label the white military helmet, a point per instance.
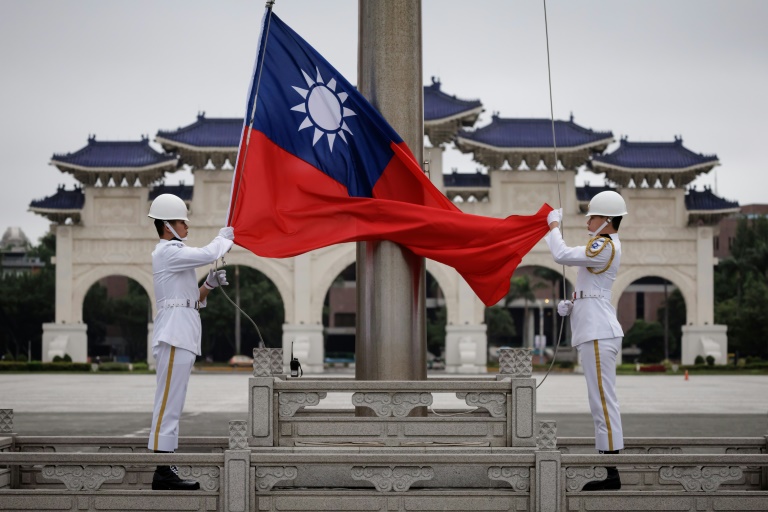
(607, 204)
(168, 207)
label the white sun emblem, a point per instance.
(324, 108)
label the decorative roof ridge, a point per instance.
(92, 142)
(435, 87)
(624, 142)
(201, 120)
(496, 118)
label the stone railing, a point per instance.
(392, 413)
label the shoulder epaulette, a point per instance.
(595, 247)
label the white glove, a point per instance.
(216, 278)
(564, 307)
(555, 215)
(228, 233)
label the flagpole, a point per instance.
(390, 339)
(253, 91)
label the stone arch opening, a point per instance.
(117, 309)
(527, 317)
(340, 318)
(224, 335)
(652, 310)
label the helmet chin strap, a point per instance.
(168, 225)
(598, 230)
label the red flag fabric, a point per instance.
(318, 165)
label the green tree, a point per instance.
(676, 320)
(259, 298)
(522, 287)
(649, 337)
(741, 289)
(27, 301)
(436, 330)
(500, 325)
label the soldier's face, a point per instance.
(181, 227)
(594, 222)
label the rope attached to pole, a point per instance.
(559, 198)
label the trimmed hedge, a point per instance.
(37, 366)
(113, 367)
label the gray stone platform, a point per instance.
(474, 443)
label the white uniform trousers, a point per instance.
(598, 359)
(174, 366)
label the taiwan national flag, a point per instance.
(318, 165)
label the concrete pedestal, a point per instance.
(307, 346)
(459, 339)
(60, 339)
(704, 340)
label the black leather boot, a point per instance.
(611, 483)
(166, 478)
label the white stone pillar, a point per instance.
(308, 346)
(704, 340)
(705, 278)
(64, 277)
(469, 328)
(61, 338)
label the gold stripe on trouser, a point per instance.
(602, 396)
(168, 387)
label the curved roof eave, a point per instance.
(460, 115)
(181, 145)
(670, 170)
(63, 166)
(482, 145)
(715, 211)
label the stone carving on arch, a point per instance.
(684, 283)
(276, 270)
(142, 274)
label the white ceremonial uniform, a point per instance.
(596, 332)
(177, 335)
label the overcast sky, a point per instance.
(647, 69)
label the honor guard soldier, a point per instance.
(177, 332)
(596, 332)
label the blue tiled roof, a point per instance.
(587, 192)
(63, 199)
(533, 133)
(698, 200)
(205, 132)
(181, 190)
(114, 154)
(439, 105)
(457, 179)
(654, 155)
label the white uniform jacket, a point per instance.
(593, 316)
(173, 268)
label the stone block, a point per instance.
(261, 411)
(515, 362)
(236, 496)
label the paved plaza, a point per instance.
(115, 404)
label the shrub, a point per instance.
(37, 366)
(140, 367)
(113, 367)
(653, 368)
(698, 360)
(9, 357)
(565, 364)
(710, 360)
